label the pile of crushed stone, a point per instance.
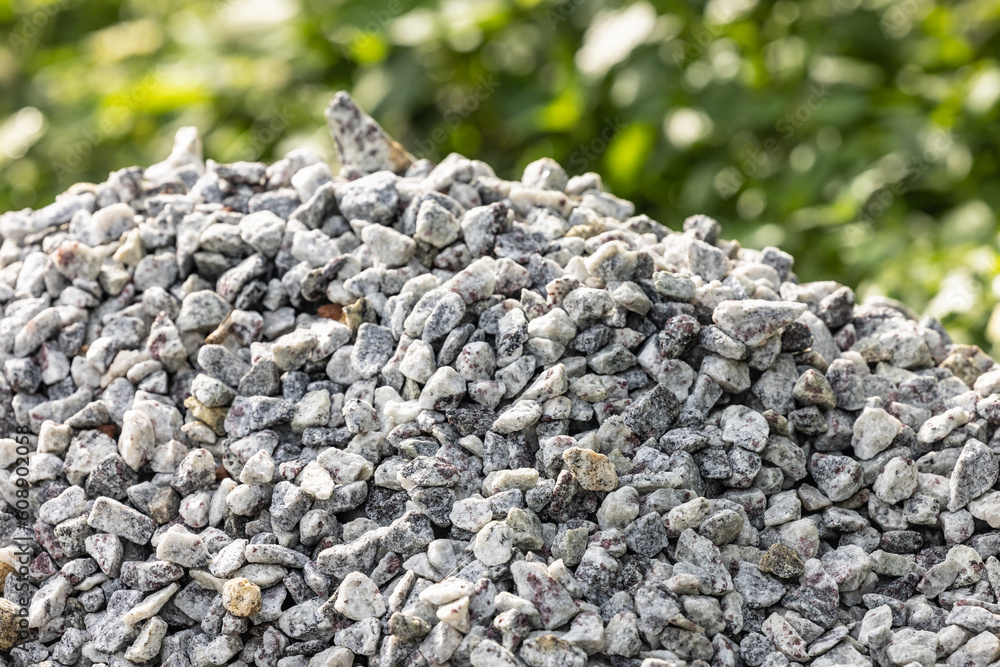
(416, 414)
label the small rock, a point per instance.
(241, 597)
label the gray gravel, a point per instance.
(417, 414)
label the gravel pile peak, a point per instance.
(417, 414)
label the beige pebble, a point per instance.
(241, 597)
(594, 471)
(9, 623)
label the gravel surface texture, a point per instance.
(415, 414)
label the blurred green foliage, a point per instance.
(858, 134)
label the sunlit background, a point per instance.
(861, 135)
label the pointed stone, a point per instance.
(361, 142)
(753, 321)
(975, 473)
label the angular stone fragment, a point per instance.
(593, 471)
(745, 428)
(975, 473)
(389, 246)
(733, 376)
(838, 477)
(137, 440)
(874, 623)
(182, 548)
(784, 637)
(551, 650)
(874, 430)
(147, 645)
(987, 508)
(979, 651)
(781, 561)
(358, 598)
(488, 653)
(897, 481)
(493, 543)
(360, 141)
(111, 516)
(813, 389)
(652, 413)
(10, 616)
(757, 590)
(241, 597)
(753, 321)
(202, 311)
(555, 606)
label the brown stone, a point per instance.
(9, 624)
(218, 337)
(781, 561)
(331, 311)
(962, 367)
(594, 472)
(241, 598)
(358, 313)
(586, 231)
(164, 505)
(5, 569)
(214, 417)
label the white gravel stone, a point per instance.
(874, 431)
(359, 598)
(493, 543)
(897, 481)
(939, 426)
(389, 246)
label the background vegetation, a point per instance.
(858, 134)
